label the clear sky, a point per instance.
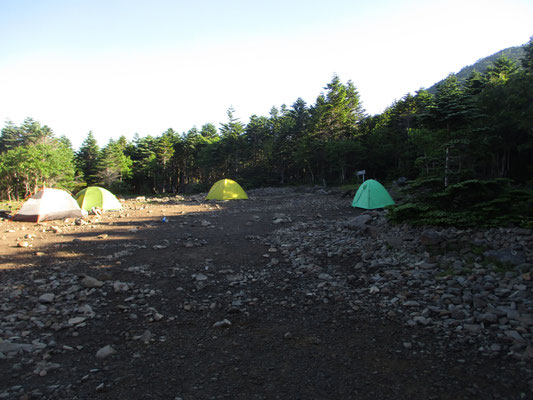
(120, 67)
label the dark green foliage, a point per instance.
(87, 159)
(465, 204)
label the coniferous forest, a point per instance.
(470, 139)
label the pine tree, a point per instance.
(87, 159)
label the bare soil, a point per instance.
(210, 262)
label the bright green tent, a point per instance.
(94, 196)
(226, 189)
(371, 194)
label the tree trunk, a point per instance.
(505, 162)
(446, 165)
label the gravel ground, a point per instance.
(292, 294)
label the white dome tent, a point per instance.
(48, 204)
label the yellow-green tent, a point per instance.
(94, 196)
(226, 189)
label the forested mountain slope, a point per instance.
(515, 53)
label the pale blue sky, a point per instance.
(126, 67)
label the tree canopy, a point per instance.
(478, 128)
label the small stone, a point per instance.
(146, 336)
(199, 277)
(9, 347)
(457, 314)
(419, 319)
(495, 347)
(472, 328)
(86, 310)
(119, 287)
(374, 289)
(76, 320)
(514, 335)
(90, 282)
(513, 314)
(478, 301)
(394, 241)
(47, 298)
(529, 352)
(105, 352)
(488, 318)
(222, 324)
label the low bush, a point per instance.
(465, 204)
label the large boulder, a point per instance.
(358, 222)
(430, 237)
(505, 256)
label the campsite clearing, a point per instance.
(291, 294)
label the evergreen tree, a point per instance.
(87, 159)
(114, 165)
(527, 61)
(506, 104)
(500, 71)
(450, 114)
(10, 137)
(232, 143)
(209, 131)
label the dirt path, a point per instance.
(206, 306)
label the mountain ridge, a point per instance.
(514, 53)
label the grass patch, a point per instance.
(10, 206)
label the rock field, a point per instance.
(291, 294)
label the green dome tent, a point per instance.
(371, 194)
(226, 189)
(94, 196)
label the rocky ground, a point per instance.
(292, 294)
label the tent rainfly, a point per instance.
(95, 196)
(370, 195)
(226, 189)
(48, 204)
